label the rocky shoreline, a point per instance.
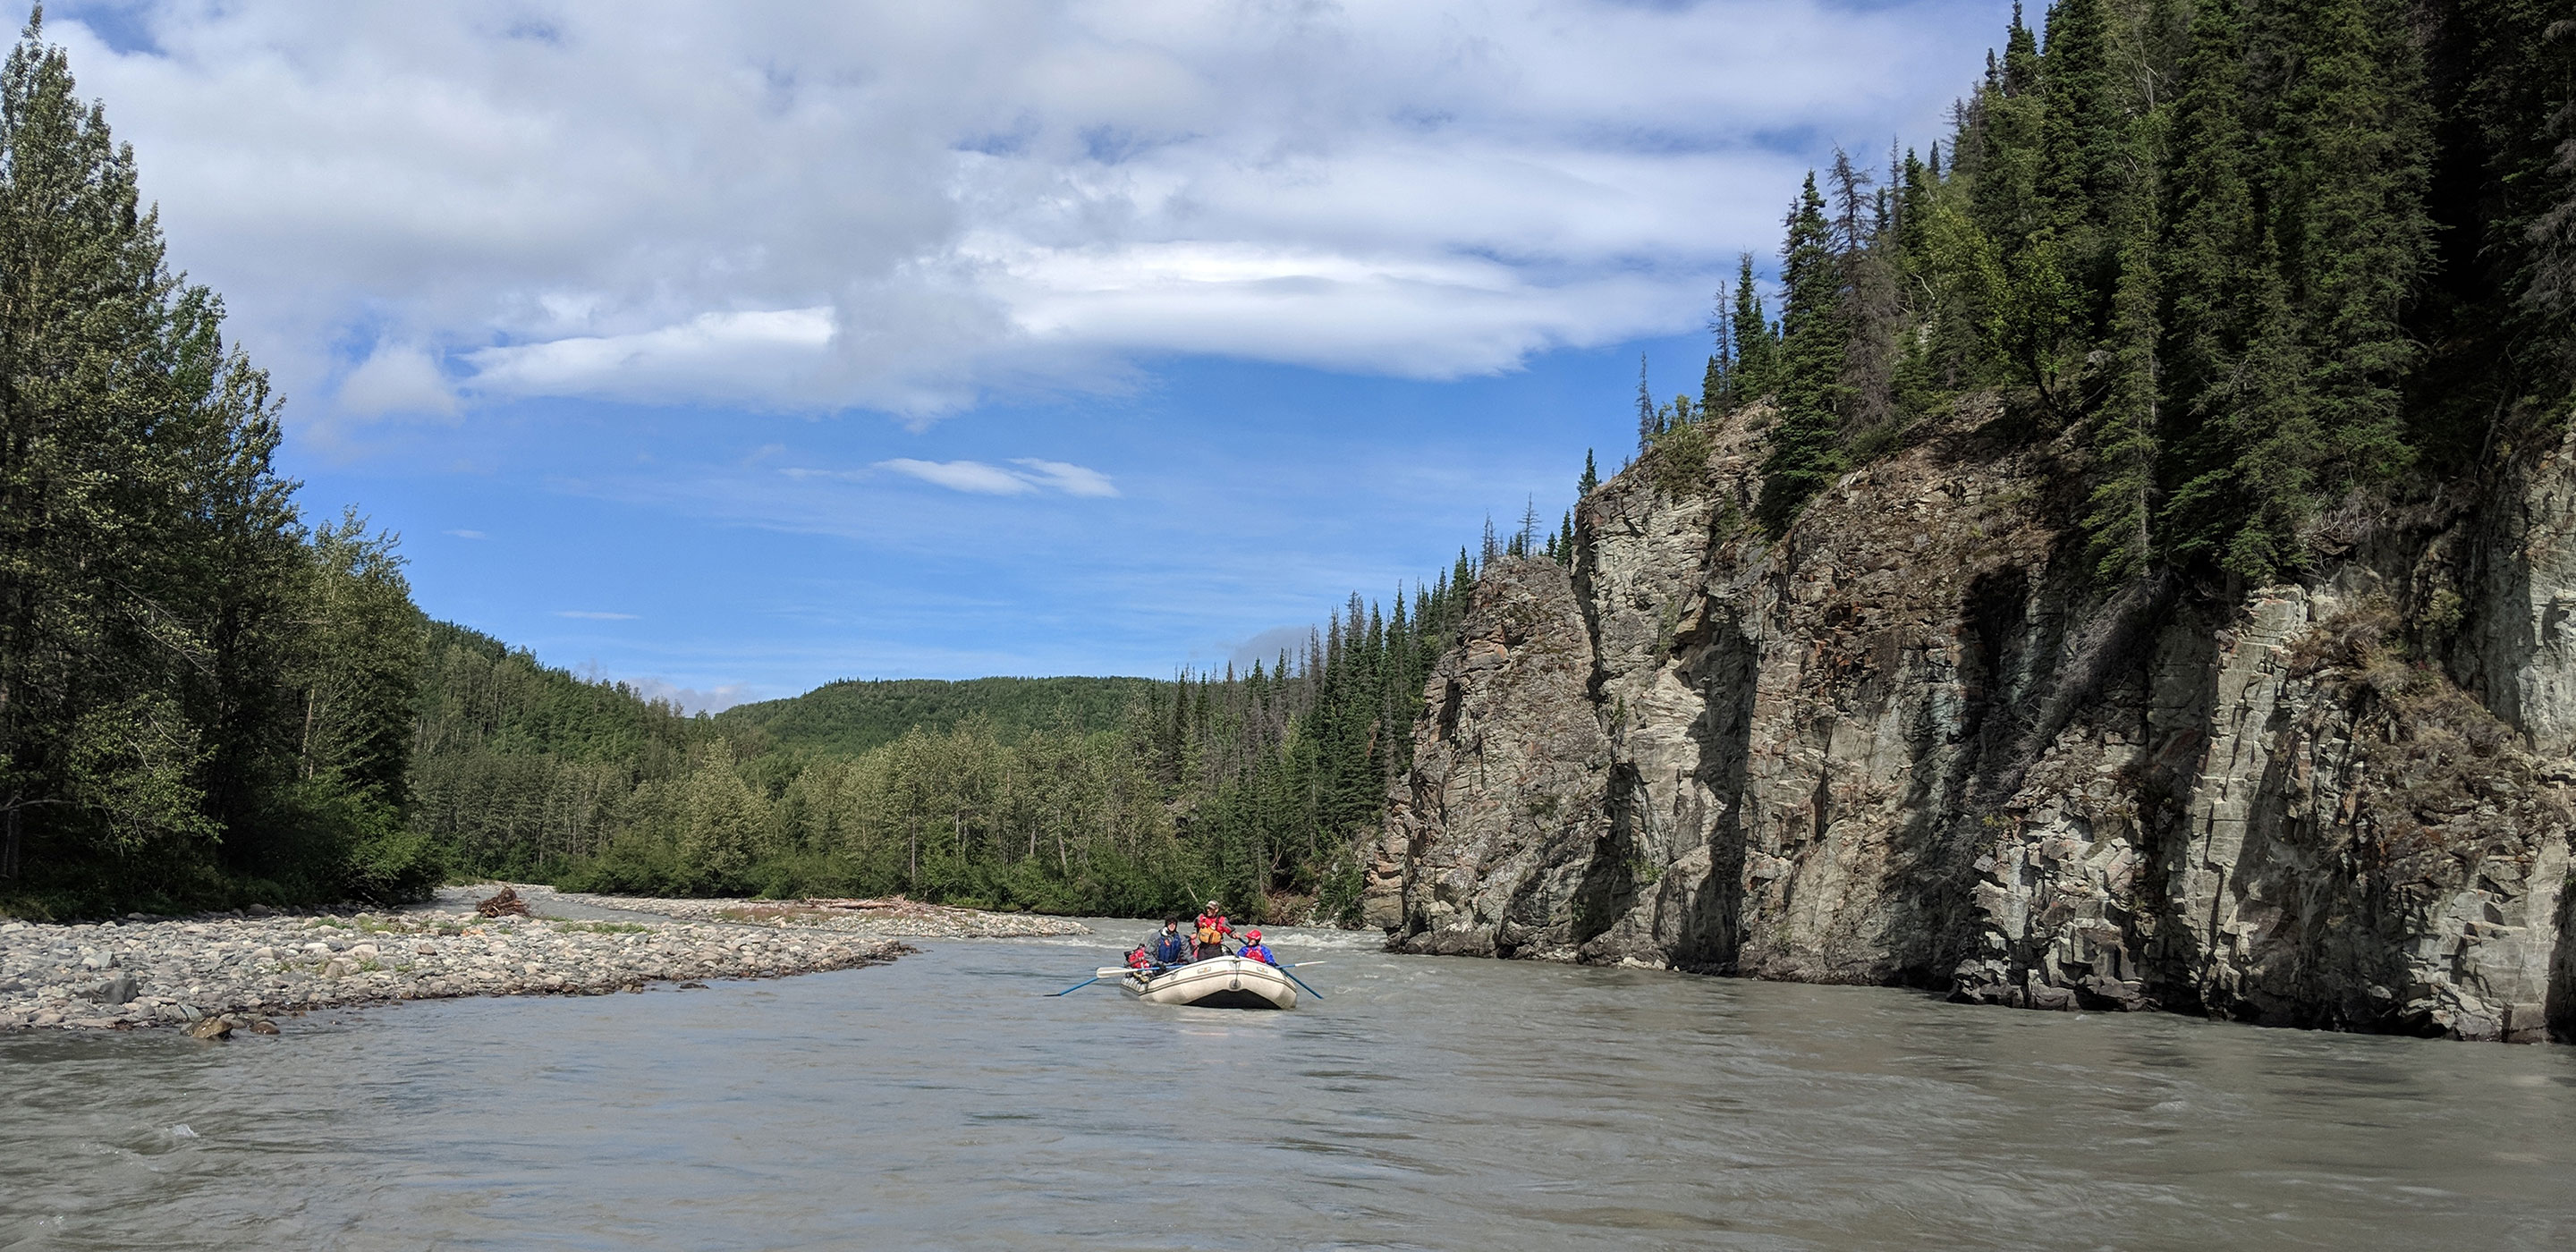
(214, 973)
(895, 918)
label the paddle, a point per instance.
(1300, 981)
(1077, 986)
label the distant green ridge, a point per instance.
(849, 717)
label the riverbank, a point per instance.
(242, 970)
(892, 918)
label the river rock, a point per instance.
(117, 990)
(1913, 740)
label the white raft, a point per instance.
(1219, 982)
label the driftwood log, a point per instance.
(505, 904)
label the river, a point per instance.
(947, 1101)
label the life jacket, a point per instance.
(1137, 959)
(1212, 929)
(1259, 952)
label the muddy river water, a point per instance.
(947, 1101)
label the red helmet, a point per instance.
(1253, 935)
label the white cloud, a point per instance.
(1266, 647)
(467, 534)
(668, 363)
(693, 699)
(591, 615)
(397, 379)
(978, 478)
(902, 207)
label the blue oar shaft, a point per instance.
(1292, 977)
(1077, 987)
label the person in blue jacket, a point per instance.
(1255, 949)
(1172, 947)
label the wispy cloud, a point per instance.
(693, 699)
(1072, 480)
(591, 615)
(466, 534)
(979, 478)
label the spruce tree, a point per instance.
(1649, 422)
(1805, 451)
(1717, 385)
(2127, 440)
(2349, 169)
(1757, 348)
(2213, 232)
(2083, 140)
(2000, 144)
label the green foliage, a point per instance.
(1252, 788)
(1742, 366)
(1678, 456)
(199, 700)
(2198, 246)
(1805, 438)
(846, 718)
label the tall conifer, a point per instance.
(1757, 348)
(1805, 452)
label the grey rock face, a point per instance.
(1482, 851)
(1912, 741)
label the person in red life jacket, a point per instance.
(1256, 950)
(1212, 932)
(1137, 959)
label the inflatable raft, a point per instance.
(1219, 982)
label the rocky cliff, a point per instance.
(1913, 741)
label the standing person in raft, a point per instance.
(1254, 949)
(1172, 947)
(1212, 932)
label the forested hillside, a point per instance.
(1249, 787)
(850, 717)
(2237, 266)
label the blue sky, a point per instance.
(732, 350)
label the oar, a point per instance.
(1075, 987)
(1292, 977)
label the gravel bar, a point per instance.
(209, 974)
(893, 918)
